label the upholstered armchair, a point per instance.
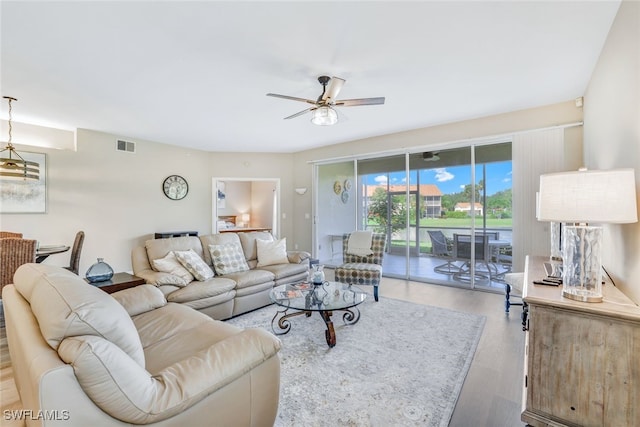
(362, 270)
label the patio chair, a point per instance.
(362, 270)
(74, 261)
(462, 251)
(439, 248)
(13, 253)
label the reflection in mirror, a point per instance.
(245, 204)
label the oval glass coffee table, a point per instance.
(306, 298)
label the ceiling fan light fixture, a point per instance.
(324, 116)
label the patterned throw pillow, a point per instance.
(228, 258)
(170, 264)
(270, 253)
(196, 266)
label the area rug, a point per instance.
(402, 364)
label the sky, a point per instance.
(453, 179)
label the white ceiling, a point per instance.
(196, 73)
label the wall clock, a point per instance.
(175, 187)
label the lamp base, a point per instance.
(581, 263)
(582, 296)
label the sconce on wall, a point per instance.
(301, 190)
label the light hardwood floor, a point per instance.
(492, 392)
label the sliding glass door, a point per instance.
(446, 213)
(386, 207)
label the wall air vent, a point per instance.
(129, 147)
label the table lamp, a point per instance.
(246, 219)
(577, 199)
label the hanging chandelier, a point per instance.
(14, 165)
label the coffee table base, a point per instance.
(350, 317)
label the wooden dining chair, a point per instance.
(8, 234)
(74, 261)
(13, 253)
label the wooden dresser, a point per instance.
(582, 360)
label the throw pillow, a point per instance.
(196, 266)
(170, 264)
(272, 252)
(228, 258)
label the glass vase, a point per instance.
(317, 276)
(99, 272)
(582, 263)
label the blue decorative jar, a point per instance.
(99, 272)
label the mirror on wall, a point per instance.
(246, 204)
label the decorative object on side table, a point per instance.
(99, 272)
(317, 276)
(580, 198)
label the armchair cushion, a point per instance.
(360, 243)
(228, 258)
(272, 252)
(196, 266)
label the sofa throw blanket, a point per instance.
(360, 243)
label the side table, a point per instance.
(118, 282)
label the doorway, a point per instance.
(246, 204)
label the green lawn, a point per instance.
(425, 246)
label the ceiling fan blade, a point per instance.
(300, 113)
(361, 101)
(292, 98)
(335, 85)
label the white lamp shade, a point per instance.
(596, 196)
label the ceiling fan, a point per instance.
(322, 111)
(430, 156)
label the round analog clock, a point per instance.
(175, 187)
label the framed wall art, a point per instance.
(25, 196)
(222, 195)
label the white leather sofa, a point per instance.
(223, 295)
(82, 357)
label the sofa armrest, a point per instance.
(298, 257)
(140, 299)
(125, 390)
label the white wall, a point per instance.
(117, 198)
(262, 200)
(612, 134)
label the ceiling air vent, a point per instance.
(129, 147)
